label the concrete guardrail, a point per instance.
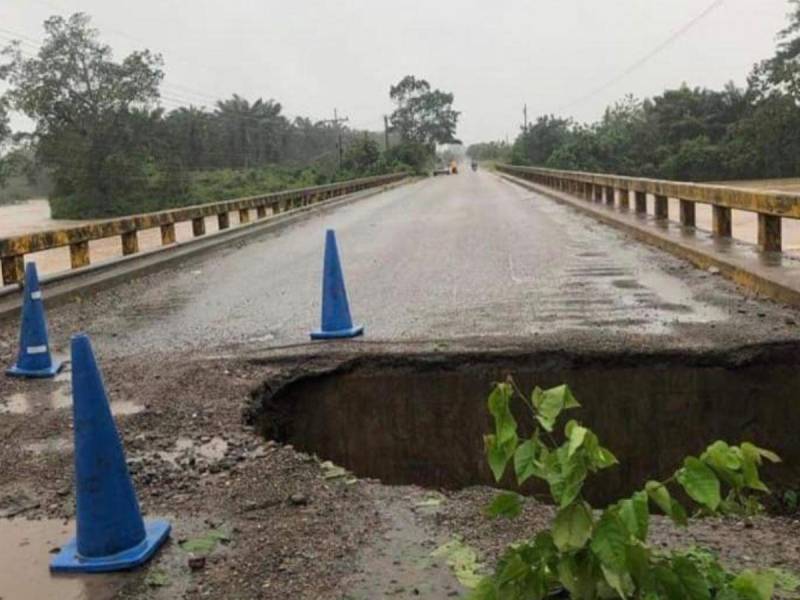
(14, 249)
(770, 207)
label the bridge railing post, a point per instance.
(130, 242)
(640, 202)
(198, 226)
(687, 213)
(624, 198)
(167, 234)
(609, 195)
(721, 221)
(661, 207)
(79, 254)
(13, 268)
(769, 233)
(223, 220)
(598, 192)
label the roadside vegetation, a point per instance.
(103, 144)
(693, 134)
(592, 554)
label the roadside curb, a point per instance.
(742, 263)
(62, 287)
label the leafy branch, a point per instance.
(592, 554)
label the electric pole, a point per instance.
(336, 123)
(525, 118)
(385, 133)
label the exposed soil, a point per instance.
(287, 525)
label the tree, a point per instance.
(5, 136)
(361, 157)
(423, 115)
(94, 117)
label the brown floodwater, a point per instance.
(25, 555)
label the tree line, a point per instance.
(108, 147)
(693, 134)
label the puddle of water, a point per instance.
(16, 404)
(125, 407)
(49, 446)
(25, 556)
(213, 450)
(58, 398)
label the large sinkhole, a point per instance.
(421, 418)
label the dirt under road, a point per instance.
(274, 522)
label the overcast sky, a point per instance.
(314, 56)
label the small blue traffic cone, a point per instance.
(34, 359)
(336, 321)
(111, 533)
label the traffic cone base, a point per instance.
(110, 532)
(341, 333)
(50, 371)
(68, 560)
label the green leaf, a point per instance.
(700, 482)
(693, 584)
(609, 540)
(504, 422)
(204, 544)
(660, 496)
(577, 434)
(572, 527)
(566, 476)
(755, 585)
(506, 504)
(749, 448)
(498, 455)
(635, 515)
(575, 573)
(550, 403)
(463, 560)
(526, 463)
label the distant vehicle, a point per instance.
(453, 167)
(441, 171)
(474, 165)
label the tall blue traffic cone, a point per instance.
(34, 359)
(111, 533)
(336, 321)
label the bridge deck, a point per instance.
(451, 257)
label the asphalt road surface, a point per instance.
(450, 257)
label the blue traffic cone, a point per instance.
(34, 359)
(336, 321)
(111, 533)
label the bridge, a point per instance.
(201, 320)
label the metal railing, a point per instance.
(770, 206)
(14, 249)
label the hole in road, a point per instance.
(421, 419)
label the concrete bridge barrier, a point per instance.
(769, 206)
(14, 249)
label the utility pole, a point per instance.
(525, 118)
(385, 133)
(336, 123)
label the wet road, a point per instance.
(448, 257)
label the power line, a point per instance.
(646, 58)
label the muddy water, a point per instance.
(55, 395)
(25, 555)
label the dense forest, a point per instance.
(687, 133)
(107, 147)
